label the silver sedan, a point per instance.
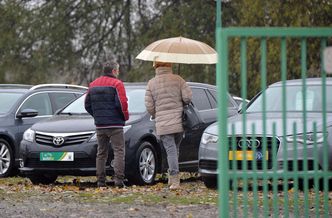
(299, 140)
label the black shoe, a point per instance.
(101, 184)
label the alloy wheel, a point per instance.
(4, 158)
(147, 164)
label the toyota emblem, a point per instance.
(58, 140)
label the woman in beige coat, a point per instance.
(164, 98)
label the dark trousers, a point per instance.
(104, 136)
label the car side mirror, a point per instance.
(152, 118)
(27, 113)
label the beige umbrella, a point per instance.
(179, 50)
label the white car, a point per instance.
(293, 142)
(239, 100)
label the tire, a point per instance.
(42, 179)
(302, 187)
(6, 159)
(145, 165)
(329, 184)
(210, 182)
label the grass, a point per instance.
(192, 192)
(83, 189)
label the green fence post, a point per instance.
(222, 79)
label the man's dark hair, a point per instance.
(110, 66)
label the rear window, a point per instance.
(135, 102)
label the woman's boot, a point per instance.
(169, 178)
(174, 181)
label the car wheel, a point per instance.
(42, 179)
(329, 184)
(302, 186)
(210, 182)
(146, 164)
(6, 159)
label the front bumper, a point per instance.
(302, 156)
(84, 162)
(208, 159)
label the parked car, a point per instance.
(66, 143)
(284, 138)
(23, 105)
(239, 100)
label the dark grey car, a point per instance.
(23, 105)
(305, 145)
(66, 144)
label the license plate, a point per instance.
(250, 155)
(56, 156)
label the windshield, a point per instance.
(294, 99)
(7, 100)
(135, 102)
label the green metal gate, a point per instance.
(259, 188)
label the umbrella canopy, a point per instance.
(179, 50)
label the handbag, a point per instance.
(191, 118)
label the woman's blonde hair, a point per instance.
(157, 64)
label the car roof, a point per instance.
(309, 81)
(22, 88)
(15, 87)
(191, 84)
(205, 85)
(135, 84)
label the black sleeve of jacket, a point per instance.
(87, 104)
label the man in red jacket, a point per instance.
(107, 102)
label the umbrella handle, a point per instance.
(179, 71)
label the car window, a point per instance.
(200, 99)
(309, 100)
(230, 102)
(238, 101)
(212, 100)
(76, 107)
(8, 100)
(61, 99)
(135, 102)
(294, 99)
(40, 102)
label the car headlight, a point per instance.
(94, 136)
(309, 138)
(29, 135)
(209, 138)
(126, 128)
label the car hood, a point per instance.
(73, 123)
(275, 118)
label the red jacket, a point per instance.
(107, 102)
